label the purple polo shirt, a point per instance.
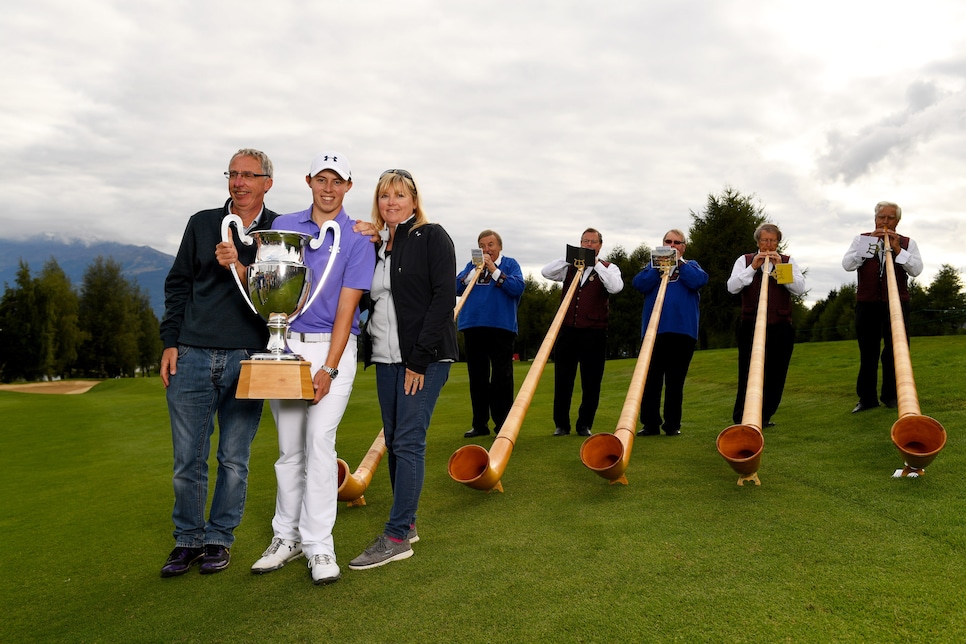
(354, 265)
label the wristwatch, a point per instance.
(329, 370)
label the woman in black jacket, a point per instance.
(413, 345)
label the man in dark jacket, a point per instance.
(207, 330)
(582, 340)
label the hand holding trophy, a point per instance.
(277, 289)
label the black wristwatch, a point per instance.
(329, 370)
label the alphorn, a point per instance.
(609, 454)
(918, 438)
(477, 258)
(741, 445)
(352, 487)
(479, 469)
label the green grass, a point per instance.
(829, 548)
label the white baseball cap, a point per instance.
(331, 161)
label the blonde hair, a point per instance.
(392, 180)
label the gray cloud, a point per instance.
(536, 119)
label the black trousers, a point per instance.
(489, 363)
(670, 360)
(874, 331)
(779, 344)
(586, 348)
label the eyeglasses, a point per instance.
(673, 242)
(589, 241)
(247, 176)
(402, 173)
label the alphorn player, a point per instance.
(873, 329)
(677, 333)
(488, 321)
(746, 276)
(583, 335)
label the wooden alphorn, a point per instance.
(741, 445)
(918, 438)
(352, 487)
(609, 454)
(480, 469)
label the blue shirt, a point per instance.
(679, 313)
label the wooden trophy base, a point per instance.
(275, 379)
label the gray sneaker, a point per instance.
(380, 552)
(413, 536)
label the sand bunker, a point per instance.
(56, 387)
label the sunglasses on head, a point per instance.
(402, 173)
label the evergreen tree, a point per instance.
(63, 335)
(22, 337)
(149, 338)
(108, 315)
(947, 302)
(718, 236)
(536, 312)
(624, 326)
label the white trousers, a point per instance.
(306, 471)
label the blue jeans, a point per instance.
(405, 421)
(204, 386)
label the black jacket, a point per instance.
(423, 266)
(202, 304)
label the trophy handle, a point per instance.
(315, 244)
(247, 240)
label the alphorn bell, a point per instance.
(918, 438)
(481, 470)
(352, 487)
(609, 454)
(741, 445)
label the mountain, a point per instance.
(142, 264)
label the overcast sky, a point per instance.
(535, 118)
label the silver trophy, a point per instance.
(278, 286)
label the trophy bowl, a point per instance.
(278, 285)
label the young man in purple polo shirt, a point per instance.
(306, 469)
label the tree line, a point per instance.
(108, 329)
(50, 330)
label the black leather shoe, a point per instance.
(584, 431)
(560, 431)
(473, 433)
(646, 431)
(861, 406)
(892, 403)
(181, 560)
(768, 423)
(215, 560)
(673, 432)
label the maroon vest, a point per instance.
(590, 307)
(779, 299)
(873, 285)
